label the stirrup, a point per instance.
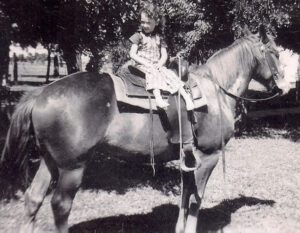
(183, 163)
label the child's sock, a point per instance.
(159, 100)
(189, 105)
(188, 100)
(161, 103)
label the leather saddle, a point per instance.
(134, 84)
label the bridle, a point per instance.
(270, 61)
(274, 71)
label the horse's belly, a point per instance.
(139, 149)
(136, 156)
(130, 136)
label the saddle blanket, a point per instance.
(141, 99)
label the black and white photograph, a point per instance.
(149, 116)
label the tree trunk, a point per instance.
(72, 60)
(297, 91)
(298, 82)
(48, 64)
(15, 69)
(55, 66)
(78, 61)
(4, 58)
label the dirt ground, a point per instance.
(260, 195)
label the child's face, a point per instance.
(148, 24)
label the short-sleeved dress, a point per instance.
(149, 47)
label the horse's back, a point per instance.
(81, 83)
(71, 115)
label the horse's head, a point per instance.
(269, 71)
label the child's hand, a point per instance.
(157, 66)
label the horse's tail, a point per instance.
(14, 159)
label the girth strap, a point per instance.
(152, 161)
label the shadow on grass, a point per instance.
(283, 126)
(109, 174)
(104, 174)
(163, 219)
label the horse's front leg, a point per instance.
(186, 191)
(200, 176)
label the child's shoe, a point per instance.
(189, 105)
(161, 103)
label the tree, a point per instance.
(85, 26)
(195, 27)
(289, 36)
(274, 14)
(200, 27)
(5, 36)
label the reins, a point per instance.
(221, 122)
(274, 76)
(245, 98)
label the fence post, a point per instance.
(48, 64)
(15, 69)
(55, 65)
(297, 90)
(298, 82)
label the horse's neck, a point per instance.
(239, 85)
(233, 69)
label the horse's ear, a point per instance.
(263, 34)
(246, 31)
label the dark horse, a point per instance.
(70, 117)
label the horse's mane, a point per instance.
(241, 54)
(239, 42)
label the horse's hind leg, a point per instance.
(68, 183)
(34, 196)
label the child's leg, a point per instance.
(159, 100)
(188, 100)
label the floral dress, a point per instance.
(149, 46)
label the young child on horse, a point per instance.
(149, 51)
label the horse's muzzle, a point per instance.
(276, 90)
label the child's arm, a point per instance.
(133, 55)
(163, 57)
